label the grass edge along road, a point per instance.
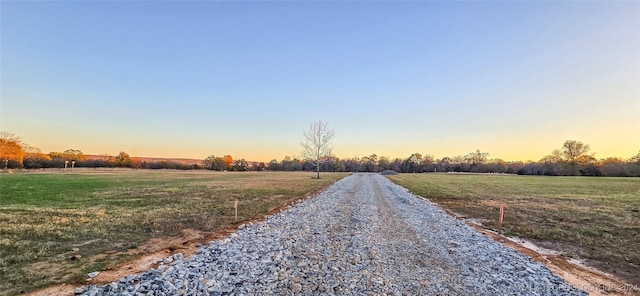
(57, 227)
(592, 219)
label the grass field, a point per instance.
(52, 225)
(595, 219)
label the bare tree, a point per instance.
(635, 159)
(572, 150)
(574, 153)
(476, 158)
(10, 137)
(317, 145)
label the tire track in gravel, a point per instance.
(406, 249)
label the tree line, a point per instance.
(14, 154)
(571, 159)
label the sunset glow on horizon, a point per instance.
(192, 79)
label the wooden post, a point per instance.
(501, 218)
(235, 206)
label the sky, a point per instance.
(192, 79)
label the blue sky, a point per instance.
(190, 79)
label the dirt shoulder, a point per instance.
(155, 250)
(152, 252)
(590, 219)
(583, 277)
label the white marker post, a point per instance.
(73, 164)
(66, 162)
(235, 206)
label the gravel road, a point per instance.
(364, 235)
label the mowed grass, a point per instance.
(52, 225)
(595, 219)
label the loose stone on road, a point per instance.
(363, 235)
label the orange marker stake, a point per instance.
(501, 218)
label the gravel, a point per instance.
(388, 172)
(363, 235)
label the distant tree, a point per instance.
(444, 164)
(572, 150)
(586, 159)
(108, 159)
(317, 144)
(612, 161)
(634, 165)
(590, 170)
(207, 163)
(274, 165)
(240, 165)
(136, 163)
(369, 163)
(214, 163)
(123, 159)
(228, 162)
(10, 137)
(635, 158)
(476, 158)
(497, 166)
(412, 163)
(351, 165)
(383, 163)
(549, 165)
(258, 166)
(55, 155)
(573, 153)
(427, 164)
(328, 165)
(457, 159)
(28, 149)
(396, 165)
(57, 160)
(310, 167)
(73, 154)
(289, 164)
(554, 157)
(11, 153)
(34, 158)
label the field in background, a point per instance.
(56, 227)
(594, 219)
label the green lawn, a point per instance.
(596, 219)
(48, 218)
